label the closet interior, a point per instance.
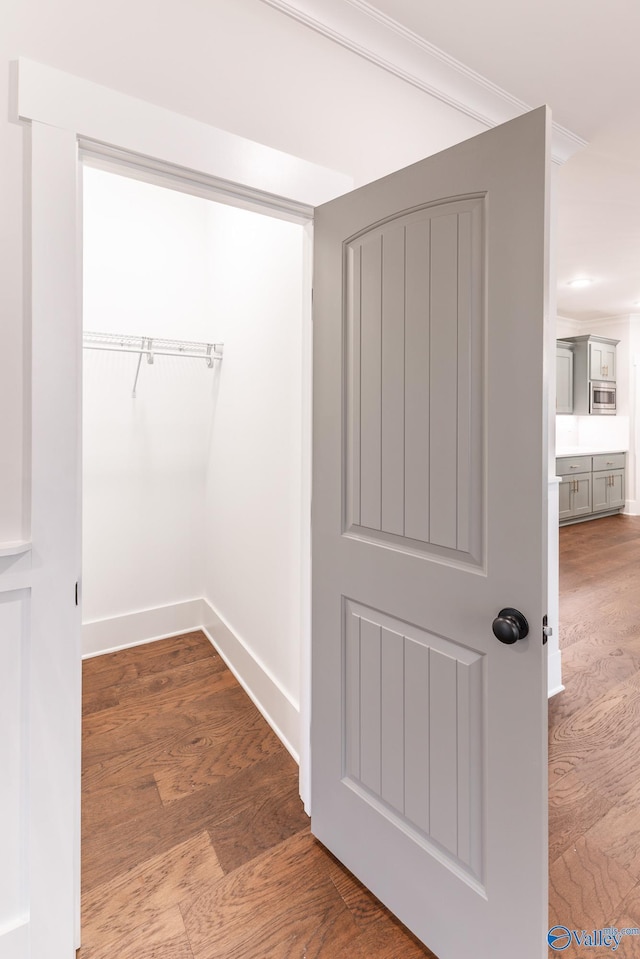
(193, 429)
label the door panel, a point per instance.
(582, 499)
(565, 499)
(600, 492)
(397, 677)
(429, 516)
(616, 490)
(414, 329)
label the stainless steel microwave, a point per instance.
(602, 397)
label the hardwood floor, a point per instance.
(195, 843)
(594, 731)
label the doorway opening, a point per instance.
(193, 487)
(592, 732)
(196, 471)
(193, 506)
(197, 482)
(594, 851)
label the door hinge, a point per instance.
(546, 630)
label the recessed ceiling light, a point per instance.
(580, 281)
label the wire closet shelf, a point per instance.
(151, 347)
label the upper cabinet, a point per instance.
(590, 361)
(602, 359)
(564, 378)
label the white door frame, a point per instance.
(38, 582)
(119, 128)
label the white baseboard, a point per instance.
(148, 625)
(144, 626)
(275, 704)
(632, 507)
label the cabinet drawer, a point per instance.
(608, 461)
(568, 465)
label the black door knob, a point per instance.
(510, 626)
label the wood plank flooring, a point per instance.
(195, 843)
(594, 732)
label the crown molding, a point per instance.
(361, 28)
(570, 325)
(600, 322)
(605, 321)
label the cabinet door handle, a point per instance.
(573, 467)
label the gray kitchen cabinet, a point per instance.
(602, 361)
(591, 486)
(564, 379)
(594, 360)
(575, 496)
(608, 490)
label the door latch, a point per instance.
(546, 630)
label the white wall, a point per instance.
(253, 512)
(144, 459)
(145, 258)
(237, 64)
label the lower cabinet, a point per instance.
(590, 485)
(575, 496)
(608, 490)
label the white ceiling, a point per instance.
(580, 57)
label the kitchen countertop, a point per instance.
(587, 450)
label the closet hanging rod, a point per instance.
(155, 352)
(151, 347)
